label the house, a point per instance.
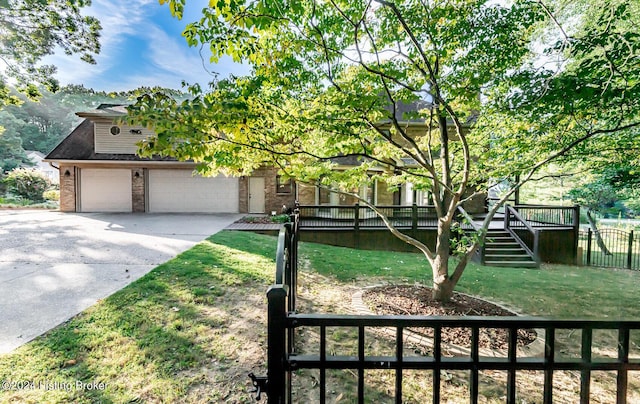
(39, 165)
(378, 193)
(100, 172)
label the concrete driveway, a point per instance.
(54, 265)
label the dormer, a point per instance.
(111, 136)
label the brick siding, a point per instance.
(273, 199)
(67, 188)
(138, 178)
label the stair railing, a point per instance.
(523, 232)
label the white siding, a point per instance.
(181, 191)
(123, 143)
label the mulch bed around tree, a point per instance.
(417, 300)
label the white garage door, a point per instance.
(182, 191)
(105, 190)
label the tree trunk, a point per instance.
(596, 232)
(443, 291)
(442, 284)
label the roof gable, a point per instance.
(80, 145)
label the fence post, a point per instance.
(288, 265)
(293, 258)
(276, 342)
(630, 250)
(589, 236)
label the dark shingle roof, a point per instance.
(78, 145)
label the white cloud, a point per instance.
(119, 19)
(168, 59)
(172, 56)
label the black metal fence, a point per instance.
(285, 357)
(621, 249)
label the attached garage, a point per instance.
(183, 191)
(101, 172)
(105, 190)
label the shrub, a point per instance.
(51, 195)
(14, 200)
(280, 218)
(27, 183)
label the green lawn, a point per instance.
(554, 290)
(193, 328)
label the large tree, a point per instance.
(499, 90)
(29, 31)
(33, 29)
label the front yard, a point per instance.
(193, 328)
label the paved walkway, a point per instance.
(54, 265)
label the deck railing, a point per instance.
(360, 217)
(414, 216)
(284, 358)
(549, 216)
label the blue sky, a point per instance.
(142, 45)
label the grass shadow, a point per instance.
(182, 326)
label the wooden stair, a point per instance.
(501, 249)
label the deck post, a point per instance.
(506, 216)
(576, 229)
(414, 218)
(356, 226)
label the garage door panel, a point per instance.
(105, 190)
(181, 191)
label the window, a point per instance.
(324, 196)
(283, 186)
(366, 192)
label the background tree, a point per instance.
(608, 188)
(595, 196)
(12, 154)
(32, 29)
(502, 89)
(40, 125)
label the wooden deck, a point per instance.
(257, 227)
